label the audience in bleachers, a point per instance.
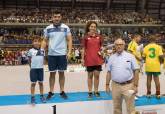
(76, 16)
(13, 57)
(15, 38)
(17, 57)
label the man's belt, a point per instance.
(123, 83)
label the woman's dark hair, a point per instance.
(88, 25)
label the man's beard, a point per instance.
(57, 24)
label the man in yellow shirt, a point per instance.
(133, 47)
(152, 54)
(164, 58)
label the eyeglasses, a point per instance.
(119, 44)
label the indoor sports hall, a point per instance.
(83, 40)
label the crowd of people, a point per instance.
(76, 16)
(18, 36)
(13, 57)
(17, 39)
(26, 38)
(123, 65)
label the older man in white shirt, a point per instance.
(123, 70)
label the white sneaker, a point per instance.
(136, 98)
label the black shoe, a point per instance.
(148, 95)
(43, 99)
(97, 94)
(63, 95)
(90, 95)
(33, 101)
(50, 95)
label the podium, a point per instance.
(77, 103)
